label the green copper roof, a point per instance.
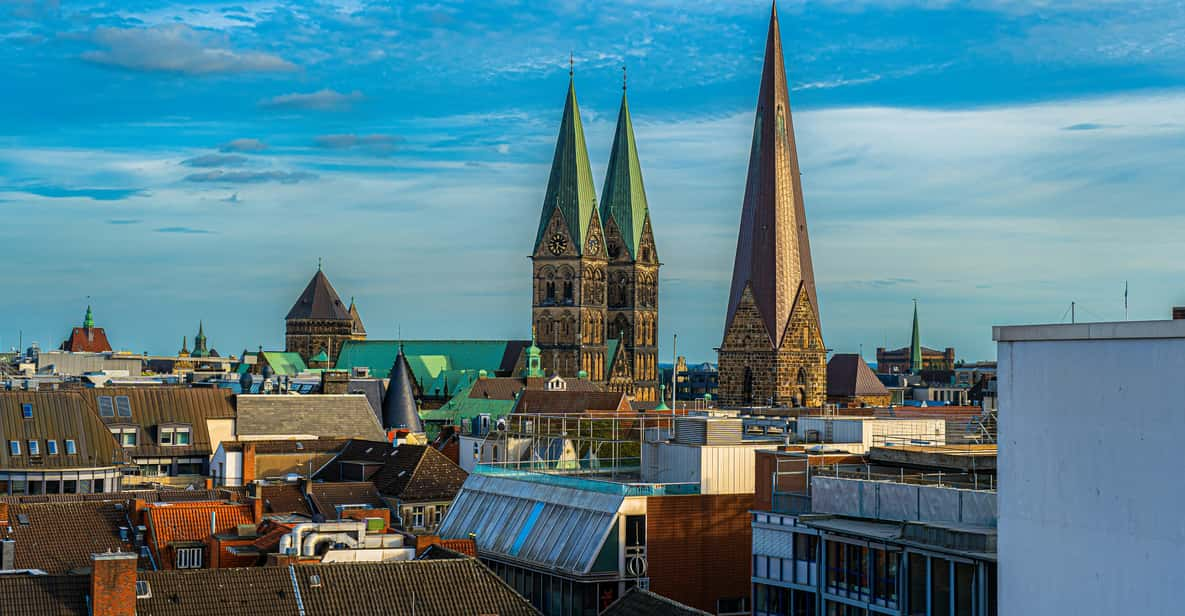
(624, 196)
(285, 363)
(428, 359)
(199, 343)
(915, 344)
(321, 357)
(570, 187)
(662, 398)
(89, 321)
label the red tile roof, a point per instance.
(191, 521)
(87, 340)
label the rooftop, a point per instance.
(1121, 330)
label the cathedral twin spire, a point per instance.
(571, 191)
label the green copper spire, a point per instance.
(570, 187)
(89, 321)
(199, 342)
(534, 359)
(915, 344)
(624, 195)
(662, 398)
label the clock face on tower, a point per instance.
(557, 244)
(594, 244)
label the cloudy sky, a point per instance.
(996, 159)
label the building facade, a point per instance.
(773, 352)
(595, 269)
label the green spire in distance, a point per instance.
(89, 321)
(570, 187)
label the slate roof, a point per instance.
(419, 473)
(168, 523)
(87, 340)
(326, 497)
(543, 401)
(57, 416)
(373, 453)
(849, 375)
(153, 407)
(319, 445)
(285, 498)
(60, 537)
(319, 301)
(44, 595)
(341, 416)
(399, 405)
(638, 602)
(373, 390)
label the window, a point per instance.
(189, 558)
(71, 448)
(125, 436)
(34, 448)
(183, 437)
(143, 590)
(417, 517)
(123, 406)
(27, 411)
(106, 408)
(51, 447)
(438, 515)
(177, 436)
(14, 448)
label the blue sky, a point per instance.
(174, 162)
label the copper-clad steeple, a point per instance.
(773, 257)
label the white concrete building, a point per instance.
(1090, 489)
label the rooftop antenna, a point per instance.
(571, 64)
(624, 80)
(318, 264)
(1124, 300)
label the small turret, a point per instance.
(88, 322)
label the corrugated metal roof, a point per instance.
(546, 526)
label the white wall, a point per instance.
(1092, 497)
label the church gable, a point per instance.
(614, 243)
(746, 331)
(594, 246)
(556, 241)
(647, 252)
(619, 365)
(802, 331)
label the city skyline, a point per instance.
(204, 181)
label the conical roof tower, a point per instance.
(915, 344)
(399, 405)
(623, 199)
(570, 187)
(773, 257)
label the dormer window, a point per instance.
(127, 436)
(557, 383)
(175, 435)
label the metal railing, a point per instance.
(965, 481)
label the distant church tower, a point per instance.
(568, 307)
(632, 315)
(773, 349)
(319, 321)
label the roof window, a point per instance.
(27, 411)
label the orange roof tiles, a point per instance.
(192, 521)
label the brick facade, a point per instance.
(698, 547)
(751, 369)
(113, 584)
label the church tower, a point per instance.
(632, 315)
(568, 295)
(319, 322)
(773, 351)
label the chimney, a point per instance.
(1178, 312)
(248, 463)
(255, 495)
(7, 554)
(335, 382)
(113, 584)
(3, 514)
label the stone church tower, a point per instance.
(319, 321)
(773, 352)
(632, 315)
(569, 266)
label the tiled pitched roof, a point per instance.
(148, 496)
(326, 497)
(312, 445)
(285, 498)
(419, 473)
(44, 595)
(638, 602)
(258, 591)
(341, 416)
(192, 521)
(60, 537)
(437, 588)
(56, 416)
(848, 375)
(87, 340)
(153, 407)
(373, 453)
(543, 401)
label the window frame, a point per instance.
(14, 448)
(189, 558)
(71, 447)
(107, 410)
(51, 447)
(417, 516)
(34, 447)
(27, 410)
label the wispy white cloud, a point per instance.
(178, 48)
(243, 145)
(321, 100)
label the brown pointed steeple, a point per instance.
(773, 257)
(319, 301)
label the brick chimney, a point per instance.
(335, 382)
(113, 584)
(1178, 312)
(248, 463)
(255, 497)
(3, 514)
